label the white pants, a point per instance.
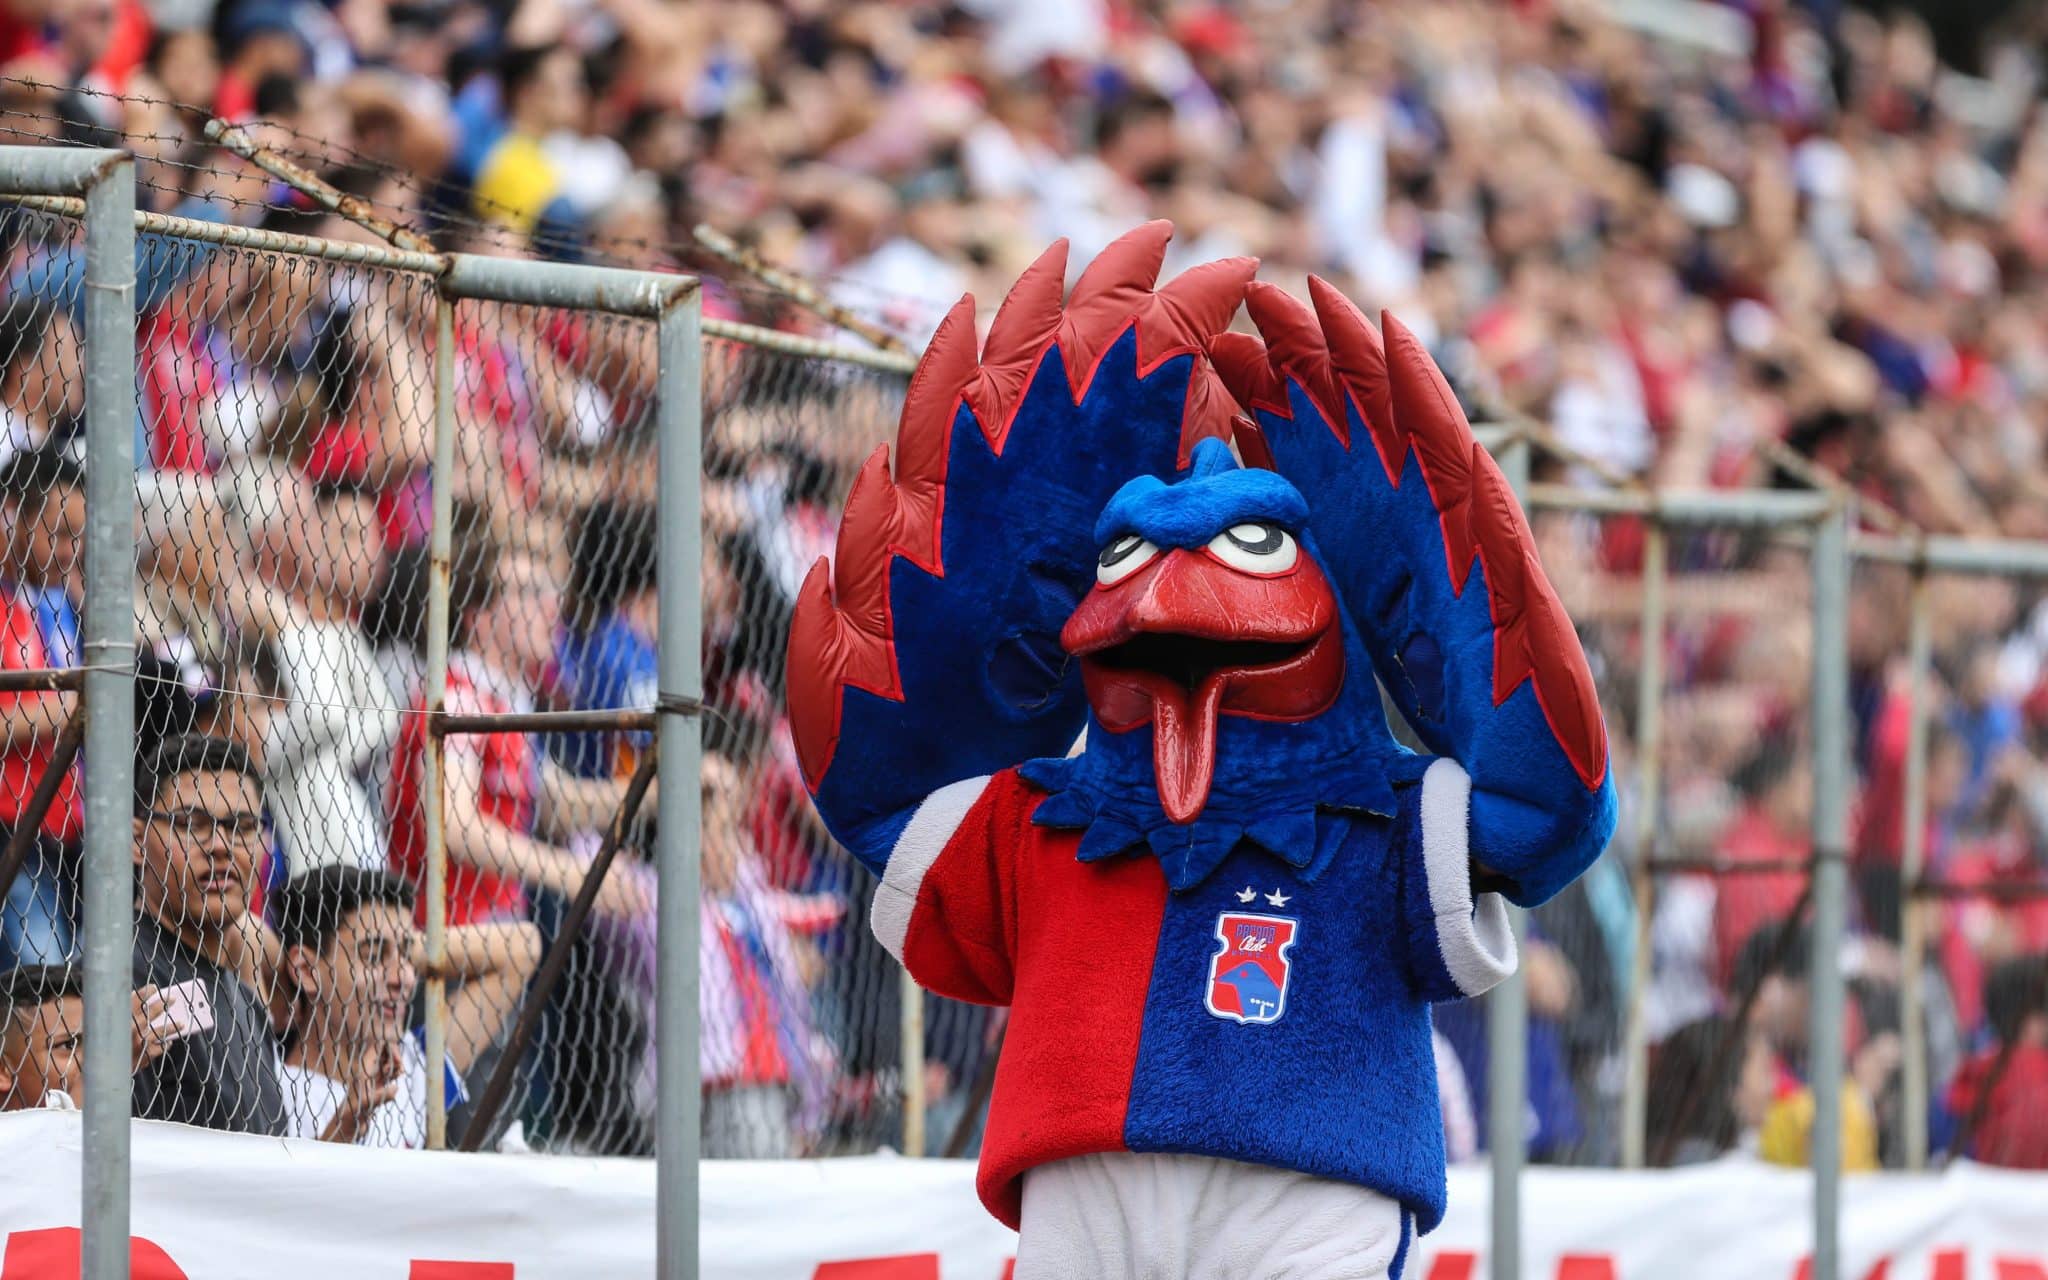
(1122, 1216)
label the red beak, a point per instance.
(1187, 638)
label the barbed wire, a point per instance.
(434, 199)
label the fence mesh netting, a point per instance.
(1726, 895)
(1982, 894)
(285, 447)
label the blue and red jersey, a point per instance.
(38, 628)
(1257, 1016)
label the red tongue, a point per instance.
(1184, 748)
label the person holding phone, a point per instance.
(42, 1032)
(198, 841)
(350, 958)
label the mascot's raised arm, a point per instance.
(1100, 706)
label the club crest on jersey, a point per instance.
(1248, 975)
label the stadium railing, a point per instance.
(1785, 903)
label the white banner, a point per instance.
(890, 1219)
(209, 1206)
(217, 1206)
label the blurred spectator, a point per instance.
(1997, 1094)
(1997, 849)
(506, 801)
(542, 89)
(44, 504)
(1556, 1124)
(42, 388)
(1711, 1085)
(352, 1071)
(761, 1057)
(187, 555)
(609, 640)
(1764, 846)
(184, 64)
(1772, 972)
(42, 1034)
(320, 549)
(198, 834)
(182, 626)
(1787, 1137)
(258, 40)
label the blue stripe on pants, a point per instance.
(1401, 1254)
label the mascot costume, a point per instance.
(1101, 707)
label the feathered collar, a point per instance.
(1272, 781)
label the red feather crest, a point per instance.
(842, 634)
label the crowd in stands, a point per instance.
(1772, 232)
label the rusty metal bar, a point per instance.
(433, 789)
(1913, 921)
(1999, 890)
(312, 185)
(43, 680)
(557, 959)
(228, 236)
(795, 344)
(31, 820)
(1710, 866)
(911, 1029)
(1635, 1051)
(603, 720)
(798, 290)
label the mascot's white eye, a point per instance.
(1255, 548)
(1122, 558)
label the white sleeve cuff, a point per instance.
(1475, 939)
(927, 835)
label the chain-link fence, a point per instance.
(286, 437)
(784, 437)
(42, 480)
(396, 603)
(1667, 996)
(1948, 864)
(284, 589)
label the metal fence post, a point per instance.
(679, 1100)
(433, 790)
(108, 648)
(1830, 696)
(1507, 1040)
(1912, 859)
(1649, 759)
(911, 1027)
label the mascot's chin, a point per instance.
(1220, 923)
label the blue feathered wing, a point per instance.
(1438, 571)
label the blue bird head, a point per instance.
(1209, 603)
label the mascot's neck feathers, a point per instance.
(1272, 782)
